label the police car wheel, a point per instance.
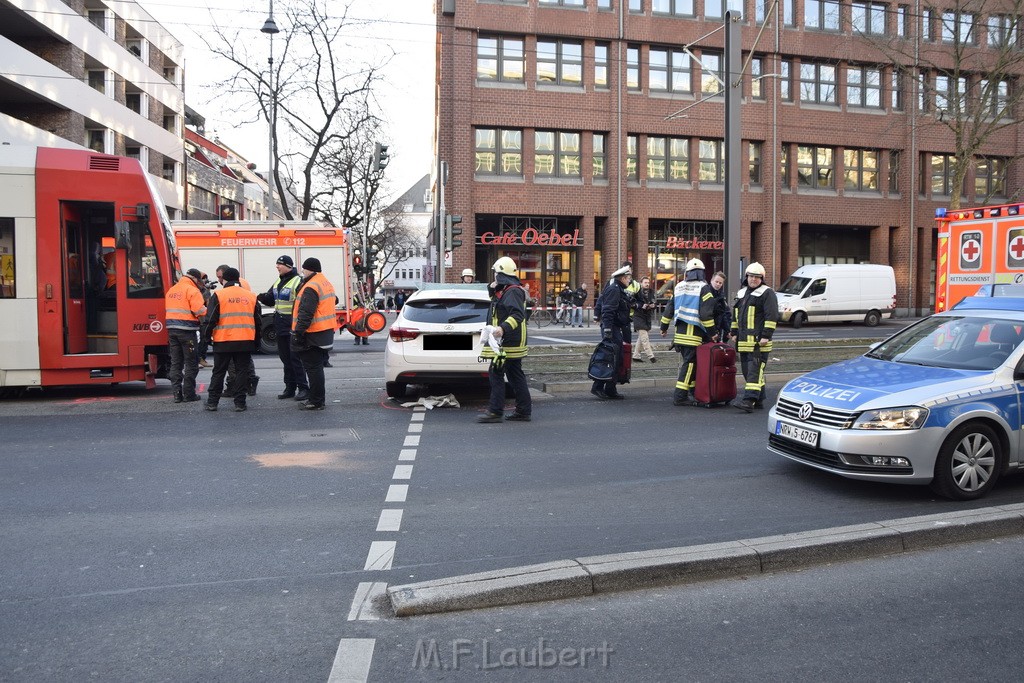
(969, 463)
(799, 318)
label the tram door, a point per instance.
(73, 263)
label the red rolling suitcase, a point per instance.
(716, 374)
(625, 364)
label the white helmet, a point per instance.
(755, 268)
(469, 272)
(505, 265)
(695, 264)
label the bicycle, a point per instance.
(540, 317)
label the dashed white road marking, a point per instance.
(362, 603)
(352, 660)
(415, 427)
(407, 454)
(412, 441)
(397, 493)
(381, 555)
(418, 417)
(402, 472)
(390, 520)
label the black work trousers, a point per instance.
(294, 373)
(239, 384)
(512, 368)
(184, 363)
(313, 362)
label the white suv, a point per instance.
(436, 338)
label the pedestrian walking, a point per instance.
(579, 298)
(184, 306)
(723, 307)
(755, 316)
(565, 305)
(400, 298)
(282, 296)
(313, 325)
(233, 324)
(692, 313)
(645, 300)
(615, 325)
(507, 318)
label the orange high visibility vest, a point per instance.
(184, 304)
(324, 318)
(236, 310)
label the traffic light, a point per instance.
(452, 231)
(357, 262)
(371, 259)
(380, 157)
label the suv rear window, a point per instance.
(446, 311)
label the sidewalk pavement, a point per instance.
(585, 576)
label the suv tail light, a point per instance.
(403, 334)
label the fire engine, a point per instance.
(86, 255)
(978, 246)
(254, 247)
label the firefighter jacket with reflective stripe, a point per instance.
(754, 317)
(237, 315)
(508, 309)
(316, 302)
(692, 310)
(184, 304)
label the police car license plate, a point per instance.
(788, 431)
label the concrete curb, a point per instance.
(672, 566)
(582, 387)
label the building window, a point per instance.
(784, 166)
(754, 162)
(1001, 28)
(679, 8)
(821, 14)
(96, 140)
(864, 87)
(897, 90)
(996, 98)
(668, 159)
(133, 101)
(499, 59)
(170, 170)
(171, 74)
(604, 4)
(868, 18)
(712, 162)
(860, 170)
(924, 92)
(98, 18)
(632, 164)
(633, 68)
(903, 21)
(940, 174)
(600, 156)
(818, 83)
(814, 167)
(135, 46)
(757, 78)
(564, 3)
(950, 95)
(98, 81)
(894, 171)
(711, 75)
(926, 24)
(761, 8)
(989, 178)
(601, 65)
(556, 154)
(636, 6)
(499, 152)
(669, 71)
(560, 62)
(171, 123)
(958, 27)
(714, 9)
(786, 81)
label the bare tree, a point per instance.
(968, 62)
(325, 109)
(393, 236)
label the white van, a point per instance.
(838, 292)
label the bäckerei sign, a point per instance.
(682, 243)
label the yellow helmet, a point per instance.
(505, 265)
(755, 268)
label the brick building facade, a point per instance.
(583, 133)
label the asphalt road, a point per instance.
(144, 540)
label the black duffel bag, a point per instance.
(603, 362)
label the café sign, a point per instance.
(682, 243)
(531, 237)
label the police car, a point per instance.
(938, 403)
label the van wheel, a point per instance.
(798, 320)
(969, 463)
(268, 339)
(395, 389)
(872, 318)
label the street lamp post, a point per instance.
(270, 28)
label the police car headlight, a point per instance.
(905, 417)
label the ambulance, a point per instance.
(254, 247)
(979, 246)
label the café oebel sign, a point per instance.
(532, 237)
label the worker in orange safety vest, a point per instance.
(233, 323)
(183, 306)
(313, 324)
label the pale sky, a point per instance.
(406, 92)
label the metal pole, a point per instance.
(733, 146)
(270, 28)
